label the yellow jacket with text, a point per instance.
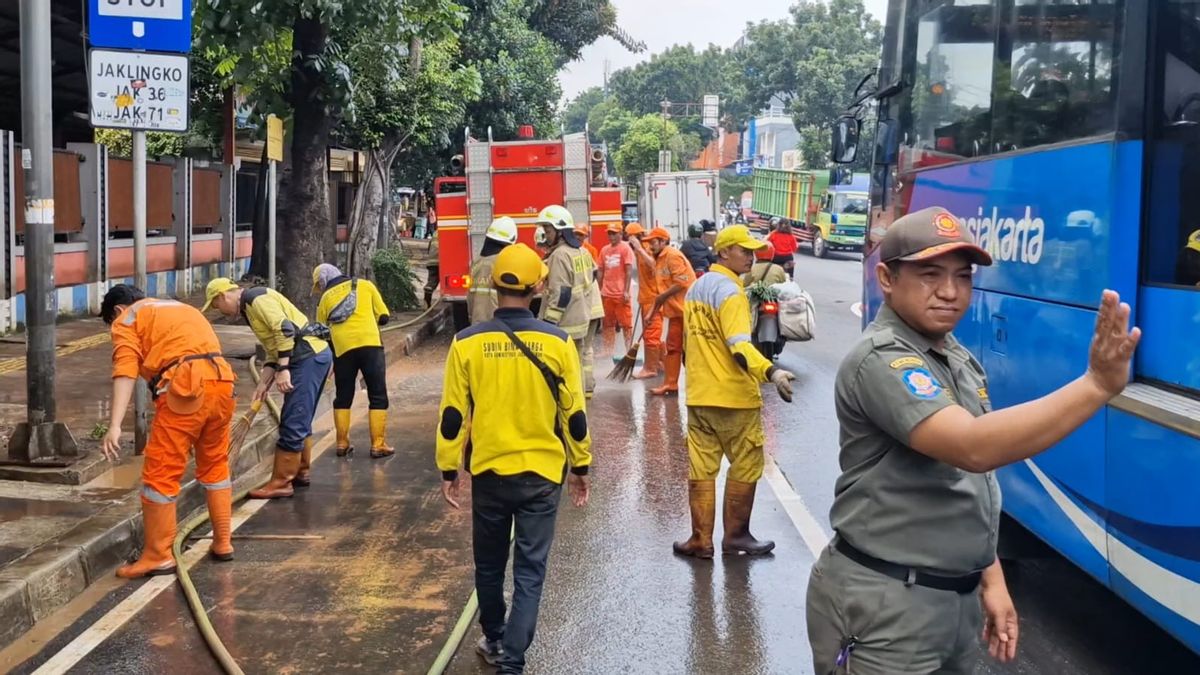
(724, 370)
(516, 425)
(361, 329)
(279, 325)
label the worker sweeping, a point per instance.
(673, 277)
(297, 365)
(724, 402)
(652, 322)
(481, 298)
(354, 310)
(567, 302)
(172, 347)
(616, 288)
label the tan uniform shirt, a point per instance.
(567, 302)
(891, 501)
(481, 299)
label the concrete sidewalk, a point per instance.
(57, 539)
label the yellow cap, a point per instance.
(216, 287)
(518, 268)
(737, 235)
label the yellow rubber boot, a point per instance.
(159, 525)
(341, 425)
(378, 423)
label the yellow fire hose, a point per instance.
(228, 664)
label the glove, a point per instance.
(782, 380)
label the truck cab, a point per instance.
(841, 222)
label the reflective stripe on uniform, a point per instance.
(737, 339)
(155, 496)
(132, 312)
(219, 485)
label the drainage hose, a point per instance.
(228, 664)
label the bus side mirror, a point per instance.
(845, 139)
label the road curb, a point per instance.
(51, 576)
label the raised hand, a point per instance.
(1113, 345)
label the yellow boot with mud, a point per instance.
(649, 369)
(378, 424)
(220, 512)
(739, 504)
(341, 426)
(158, 522)
(286, 465)
(304, 473)
(670, 385)
(702, 500)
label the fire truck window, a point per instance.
(951, 100)
(1056, 81)
(1171, 240)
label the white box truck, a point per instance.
(678, 199)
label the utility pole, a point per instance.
(274, 157)
(141, 422)
(41, 437)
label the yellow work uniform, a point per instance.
(361, 329)
(516, 425)
(724, 373)
(277, 324)
(481, 299)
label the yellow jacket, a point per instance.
(723, 369)
(481, 298)
(362, 328)
(567, 302)
(516, 427)
(277, 324)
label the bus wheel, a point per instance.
(819, 248)
(459, 314)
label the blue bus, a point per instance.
(1066, 136)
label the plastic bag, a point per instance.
(797, 313)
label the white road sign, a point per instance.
(138, 90)
(710, 110)
(142, 9)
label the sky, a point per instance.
(662, 23)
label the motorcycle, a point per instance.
(765, 335)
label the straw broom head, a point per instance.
(237, 436)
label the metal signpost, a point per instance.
(274, 156)
(135, 86)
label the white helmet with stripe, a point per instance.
(503, 230)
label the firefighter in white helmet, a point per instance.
(481, 298)
(567, 301)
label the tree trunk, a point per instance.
(370, 212)
(306, 232)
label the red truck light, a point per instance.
(459, 281)
(769, 308)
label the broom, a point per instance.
(237, 435)
(624, 368)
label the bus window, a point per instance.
(1055, 83)
(950, 104)
(1172, 230)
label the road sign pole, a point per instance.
(273, 189)
(41, 437)
(140, 422)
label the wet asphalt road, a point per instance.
(381, 590)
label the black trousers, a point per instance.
(368, 361)
(498, 503)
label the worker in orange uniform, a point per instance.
(173, 347)
(616, 287)
(673, 276)
(647, 293)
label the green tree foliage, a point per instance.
(574, 116)
(158, 144)
(639, 149)
(395, 278)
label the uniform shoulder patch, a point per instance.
(907, 362)
(921, 383)
(982, 392)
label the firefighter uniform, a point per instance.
(357, 348)
(173, 347)
(522, 441)
(724, 372)
(284, 332)
(652, 322)
(481, 297)
(568, 302)
(671, 268)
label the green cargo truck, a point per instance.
(827, 217)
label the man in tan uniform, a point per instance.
(481, 298)
(567, 301)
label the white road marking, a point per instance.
(856, 309)
(810, 530)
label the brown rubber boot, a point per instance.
(158, 521)
(649, 365)
(286, 465)
(220, 512)
(378, 423)
(341, 426)
(739, 504)
(670, 385)
(304, 473)
(702, 500)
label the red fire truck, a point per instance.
(516, 179)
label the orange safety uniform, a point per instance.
(672, 268)
(171, 345)
(647, 292)
(587, 246)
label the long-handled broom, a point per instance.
(624, 368)
(237, 435)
